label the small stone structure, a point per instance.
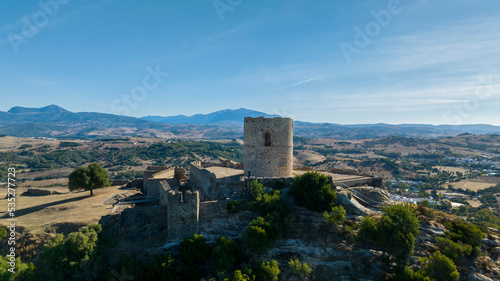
(38, 192)
(268, 147)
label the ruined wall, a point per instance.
(268, 148)
(180, 173)
(137, 223)
(223, 163)
(159, 172)
(354, 182)
(202, 180)
(182, 214)
(231, 187)
(215, 221)
(152, 187)
(152, 177)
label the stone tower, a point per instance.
(268, 149)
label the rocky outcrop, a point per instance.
(363, 200)
(39, 192)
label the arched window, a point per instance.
(268, 139)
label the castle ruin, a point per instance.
(189, 201)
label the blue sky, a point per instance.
(348, 62)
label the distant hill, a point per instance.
(56, 122)
(228, 116)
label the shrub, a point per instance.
(395, 230)
(256, 189)
(233, 206)
(267, 271)
(259, 235)
(280, 184)
(437, 267)
(368, 229)
(465, 232)
(240, 276)
(194, 250)
(337, 216)
(424, 210)
(224, 254)
(3, 232)
(313, 191)
(453, 250)
(299, 267)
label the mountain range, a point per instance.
(222, 117)
(56, 122)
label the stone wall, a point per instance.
(152, 177)
(152, 187)
(354, 182)
(223, 163)
(137, 223)
(215, 221)
(272, 159)
(159, 172)
(183, 214)
(203, 180)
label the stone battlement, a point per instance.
(183, 209)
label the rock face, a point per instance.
(363, 200)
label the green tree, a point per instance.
(395, 230)
(72, 258)
(313, 190)
(23, 271)
(88, 178)
(398, 227)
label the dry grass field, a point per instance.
(472, 184)
(451, 169)
(61, 213)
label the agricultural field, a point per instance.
(472, 184)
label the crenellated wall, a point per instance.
(183, 209)
(152, 178)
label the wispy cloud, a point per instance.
(288, 86)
